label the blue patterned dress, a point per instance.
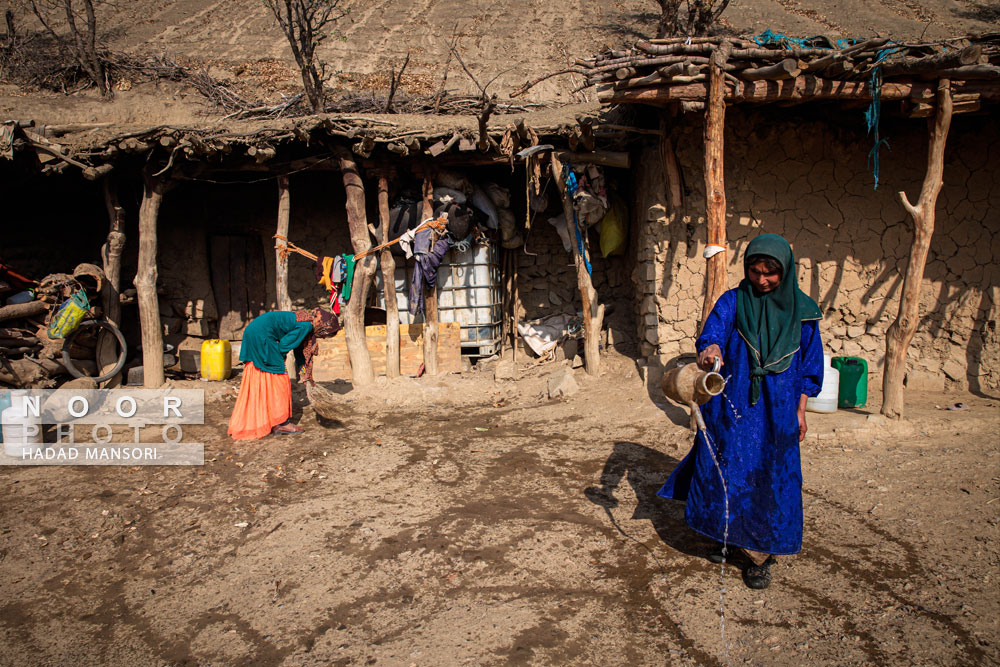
(757, 446)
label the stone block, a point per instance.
(505, 370)
(924, 380)
(562, 384)
(954, 370)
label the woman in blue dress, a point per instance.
(766, 334)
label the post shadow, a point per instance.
(646, 470)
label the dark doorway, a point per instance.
(238, 281)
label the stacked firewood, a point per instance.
(28, 357)
(781, 69)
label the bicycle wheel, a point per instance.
(98, 325)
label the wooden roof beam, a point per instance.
(804, 88)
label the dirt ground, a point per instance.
(459, 520)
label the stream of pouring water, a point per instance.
(725, 531)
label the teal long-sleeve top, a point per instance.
(271, 336)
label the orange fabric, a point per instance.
(325, 280)
(264, 401)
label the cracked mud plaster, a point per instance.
(792, 173)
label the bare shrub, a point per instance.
(688, 17)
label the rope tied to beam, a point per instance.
(287, 246)
(874, 112)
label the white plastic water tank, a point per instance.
(826, 401)
(18, 435)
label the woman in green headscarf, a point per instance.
(766, 334)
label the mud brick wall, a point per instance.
(547, 279)
(192, 213)
(333, 362)
(808, 178)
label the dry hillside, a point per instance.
(512, 41)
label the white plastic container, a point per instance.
(468, 293)
(826, 401)
(19, 437)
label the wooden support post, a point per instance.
(145, 282)
(388, 283)
(716, 280)
(592, 318)
(354, 312)
(111, 255)
(901, 331)
(430, 296)
(281, 260)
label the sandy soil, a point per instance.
(458, 520)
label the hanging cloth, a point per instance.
(345, 293)
(427, 256)
(324, 267)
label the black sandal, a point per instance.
(758, 577)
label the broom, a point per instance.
(325, 404)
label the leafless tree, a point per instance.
(305, 24)
(688, 17)
(80, 34)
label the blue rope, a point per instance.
(874, 112)
(769, 38)
(572, 185)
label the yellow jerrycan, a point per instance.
(216, 359)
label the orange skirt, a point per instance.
(265, 400)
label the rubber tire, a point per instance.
(100, 324)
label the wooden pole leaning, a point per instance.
(592, 317)
(901, 331)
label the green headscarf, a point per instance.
(771, 323)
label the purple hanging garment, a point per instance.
(427, 259)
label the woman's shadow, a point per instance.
(646, 470)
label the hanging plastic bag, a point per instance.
(69, 315)
(614, 228)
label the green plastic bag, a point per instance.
(614, 228)
(69, 315)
